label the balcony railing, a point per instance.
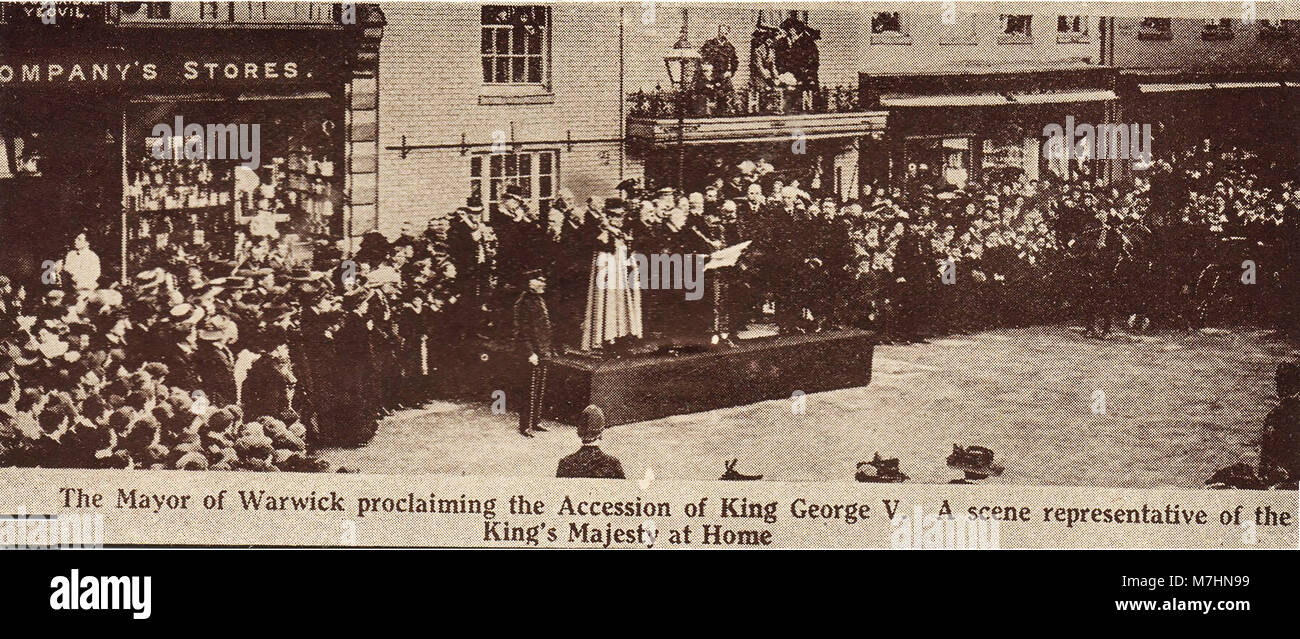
(668, 103)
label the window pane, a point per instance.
(498, 161)
(512, 165)
(535, 42)
(544, 186)
(535, 69)
(487, 69)
(486, 43)
(517, 37)
(476, 166)
(544, 163)
(503, 40)
(517, 69)
(502, 69)
(526, 164)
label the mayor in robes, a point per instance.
(614, 289)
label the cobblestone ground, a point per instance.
(1178, 406)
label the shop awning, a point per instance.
(1249, 85)
(301, 95)
(896, 100)
(1064, 96)
(666, 132)
(1168, 88)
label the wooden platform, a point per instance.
(643, 387)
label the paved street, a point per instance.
(1178, 406)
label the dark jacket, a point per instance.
(215, 366)
(590, 462)
(1280, 443)
(267, 388)
(532, 328)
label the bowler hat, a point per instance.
(514, 192)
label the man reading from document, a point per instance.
(590, 461)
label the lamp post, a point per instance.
(682, 62)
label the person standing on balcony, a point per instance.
(721, 55)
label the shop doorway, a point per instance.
(60, 172)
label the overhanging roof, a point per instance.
(758, 128)
(897, 100)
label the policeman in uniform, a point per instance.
(590, 461)
(532, 339)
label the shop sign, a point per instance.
(54, 13)
(197, 72)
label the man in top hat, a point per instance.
(590, 461)
(521, 240)
(472, 249)
(533, 346)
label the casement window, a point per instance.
(1220, 29)
(887, 22)
(1016, 29)
(158, 10)
(887, 28)
(1155, 29)
(536, 173)
(515, 45)
(1276, 29)
(1071, 29)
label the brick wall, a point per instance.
(431, 92)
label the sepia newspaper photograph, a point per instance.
(650, 275)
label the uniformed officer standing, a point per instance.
(532, 339)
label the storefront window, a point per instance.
(1010, 158)
(202, 191)
(940, 161)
